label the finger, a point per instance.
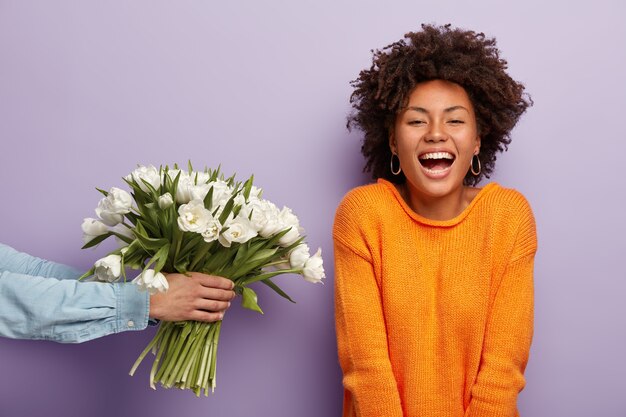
(216, 294)
(206, 316)
(212, 305)
(212, 281)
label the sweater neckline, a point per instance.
(440, 223)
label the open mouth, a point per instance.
(436, 162)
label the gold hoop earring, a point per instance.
(476, 173)
(391, 164)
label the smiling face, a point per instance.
(435, 137)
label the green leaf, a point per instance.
(249, 300)
(236, 210)
(161, 257)
(219, 261)
(259, 259)
(191, 243)
(263, 255)
(105, 193)
(242, 253)
(181, 265)
(274, 239)
(93, 242)
(123, 238)
(150, 229)
(288, 249)
(247, 187)
(231, 180)
(132, 217)
(139, 195)
(151, 244)
(175, 185)
(215, 174)
(208, 199)
(88, 273)
(276, 288)
(267, 275)
(201, 252)
(227, 208)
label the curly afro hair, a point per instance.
(436, 52)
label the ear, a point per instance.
(392, 141)
(477, 147)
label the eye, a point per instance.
(416, 122)
(456, 121)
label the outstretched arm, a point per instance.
(54, 306)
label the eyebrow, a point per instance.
(448, 110)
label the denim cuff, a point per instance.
(133, 306)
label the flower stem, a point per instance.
(180, 343)
(168, 350)
(148, 348)
(168, 332)
(214, 342)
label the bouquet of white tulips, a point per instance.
(182, 221)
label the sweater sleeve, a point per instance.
(370, 386)
(508, 333)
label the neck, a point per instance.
(438, 208)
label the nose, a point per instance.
(436, 133)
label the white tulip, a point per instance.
(193, 217)
(239, 230)
(152, 282)
(290, 237)
(183, 190)
(272, 224)
(313, 270)
(200, 177)
(299, 255)
(92, 228)
(112, 208)
(165, 201)
(109, 268)
(150, 174)
(221, 193)
(199, 192)
(212, 231)
(289, 220)
(173, 173)
(256, 211)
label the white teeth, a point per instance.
(437, 155)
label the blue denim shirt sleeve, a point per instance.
(42, 300)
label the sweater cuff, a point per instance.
(133, 306)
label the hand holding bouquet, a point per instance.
(182, 221)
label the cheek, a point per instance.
(405, 143)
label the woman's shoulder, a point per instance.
(514, 217)
(506, 199)
(360, 208)
(510, 213)
(364, 194)
(366, 200)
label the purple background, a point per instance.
(88, 89)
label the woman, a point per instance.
(434, 278)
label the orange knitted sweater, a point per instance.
(433, 318)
